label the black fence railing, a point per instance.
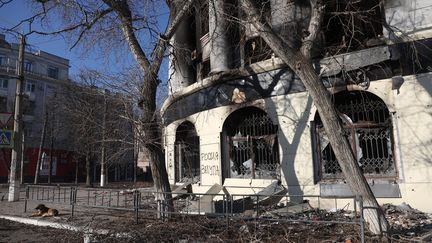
(283, 208)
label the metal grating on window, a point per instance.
(253, 147)
(368, 127)
(187, 160)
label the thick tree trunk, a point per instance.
(147, 102)
(152, 132)
(301, 64)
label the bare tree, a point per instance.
(107, 23)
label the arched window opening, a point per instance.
(367, 123)
(250, 145)
(186, 147)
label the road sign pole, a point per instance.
(14, 185)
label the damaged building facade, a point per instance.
(238, 117)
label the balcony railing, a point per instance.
(10, 70)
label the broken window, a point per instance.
(250, 145)
(256, 50)
(352, 25)
(203, 12)
(187, 164)
(367, 123)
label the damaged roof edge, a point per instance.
(328, 66)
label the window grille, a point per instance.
(186, 147)
(253, 147)
(368, 126)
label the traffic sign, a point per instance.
(6, 138)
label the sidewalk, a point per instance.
(82, 216)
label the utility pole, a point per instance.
(14, 186)
(22, 157)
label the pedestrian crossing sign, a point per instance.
(6, 138)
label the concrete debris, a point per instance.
(181, 191)
(271, 195)
(290, 209)
(205, 203)
(407, 220)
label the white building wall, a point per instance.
(411, 105)
(412, 18)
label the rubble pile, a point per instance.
(406, 220)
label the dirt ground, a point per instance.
(118, 226)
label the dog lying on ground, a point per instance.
(44, 211)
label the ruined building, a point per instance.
(238, 117)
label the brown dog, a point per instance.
(44, 211)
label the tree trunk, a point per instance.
(88, 170)
(301, 64)
(153, 147)
(135, 165)
(41, 145)
(147, 102)
(76, 172)
(51, 158)
(160, 180)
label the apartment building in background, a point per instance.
(44, 74)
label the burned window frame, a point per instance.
(349, 26)
(256, 50)
(370, 134)
(187, 148)
(250, 145)
(253, 49)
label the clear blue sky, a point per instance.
(17, 10)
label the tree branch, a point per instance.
(314, 28)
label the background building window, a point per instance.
(367, 123)
(28, 66)
(53, 72)
(4, 83)
(2, 60)
(29, 107)
(29, 86)
(3, 104)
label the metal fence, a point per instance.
(286, 208)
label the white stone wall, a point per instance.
(409, 17)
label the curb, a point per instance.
(88, 232)
(38, 222)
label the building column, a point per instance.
(218, 37)
(181, 70)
